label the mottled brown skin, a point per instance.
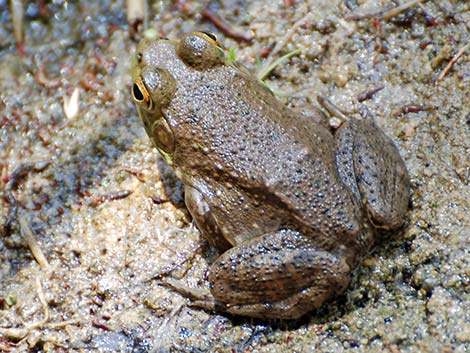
(291, 205)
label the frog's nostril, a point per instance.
(137, 93)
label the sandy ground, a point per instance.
(95, 211)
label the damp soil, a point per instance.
(99, 204)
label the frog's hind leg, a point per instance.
(370, 164)
(278, 275)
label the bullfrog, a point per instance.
(291, 204)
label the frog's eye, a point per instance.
(200, 50)
(141, 95)
(153, 88)
(209, 36)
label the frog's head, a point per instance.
(159, 67)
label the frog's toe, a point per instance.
(200, 298)
(184, 290)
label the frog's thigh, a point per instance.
(377, 169)
(202, 215)
(277, 275)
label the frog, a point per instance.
(291, 204)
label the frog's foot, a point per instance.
(278, 275)
(337, 117)
(202, 215)
(201, 298)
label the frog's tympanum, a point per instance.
(291, 205)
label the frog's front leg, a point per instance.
(370, 164)
(202, 215)
(277, 275)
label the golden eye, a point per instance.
(141, 95)
(209, 36)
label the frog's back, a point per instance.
(262, 146)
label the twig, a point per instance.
(224, 26)
(384, 14)
(43, 80)
(5, 345)
(14, 332)
(21, 333)
(399, 9)
(332, 109)
(135, 10)
(18, 174)
(61, 324)
(287, 37)
(453, 61)
(288, 3)
(6, 348)
(18, 333)
(17, 15)
(135, 16)
(412, 108)
(137, 173)
(165, 271)
(28, 235)
(158, 200)
(45, 307)
(101, 326)
(368, 94)
(98, 200)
